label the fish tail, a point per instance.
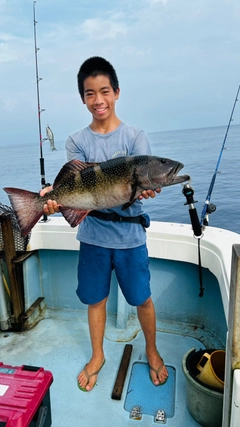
(27, 206)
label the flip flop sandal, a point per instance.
(88, 376)
(157, 372)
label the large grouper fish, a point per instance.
(82, 187)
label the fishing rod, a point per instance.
(209, 208)
(188, 192)
(40, 110)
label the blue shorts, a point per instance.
(94, 273)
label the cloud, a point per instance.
(157, 1)
(2, 4)
(8, 104)
(133, 51)
(101, 29)
(12, 48)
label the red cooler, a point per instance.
(25, 396)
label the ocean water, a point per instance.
(197, 149)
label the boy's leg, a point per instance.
(94, 275)
(147, 318)
(132, 270)
(96, 321)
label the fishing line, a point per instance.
(40, 110)
(38, 79)
(209, 208)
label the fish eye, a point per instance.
(163, 160)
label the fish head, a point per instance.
(161, 172)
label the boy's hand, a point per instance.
(51, 206)
(149, 193)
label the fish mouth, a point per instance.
(178, 179)
(174, 178)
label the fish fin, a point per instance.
(73, 216)
(27, 207)
(72, 167)
(133, 197)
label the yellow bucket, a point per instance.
(212, 368)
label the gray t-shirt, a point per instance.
(90, 146)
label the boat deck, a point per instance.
(60, 343)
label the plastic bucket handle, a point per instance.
(200, 364)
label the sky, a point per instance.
(178, 63)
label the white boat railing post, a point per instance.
(231, 403)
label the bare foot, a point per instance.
(88, 376)
(158, 370)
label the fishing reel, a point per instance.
(188, 192)
(210, 209)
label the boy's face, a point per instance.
(100, 97)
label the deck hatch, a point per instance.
(143, 393)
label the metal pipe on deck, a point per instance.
(10, 255)
(5, 323)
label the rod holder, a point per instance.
(188, 192)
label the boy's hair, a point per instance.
(96, 66)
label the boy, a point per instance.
(107, 244)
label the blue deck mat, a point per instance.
(142, 392)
